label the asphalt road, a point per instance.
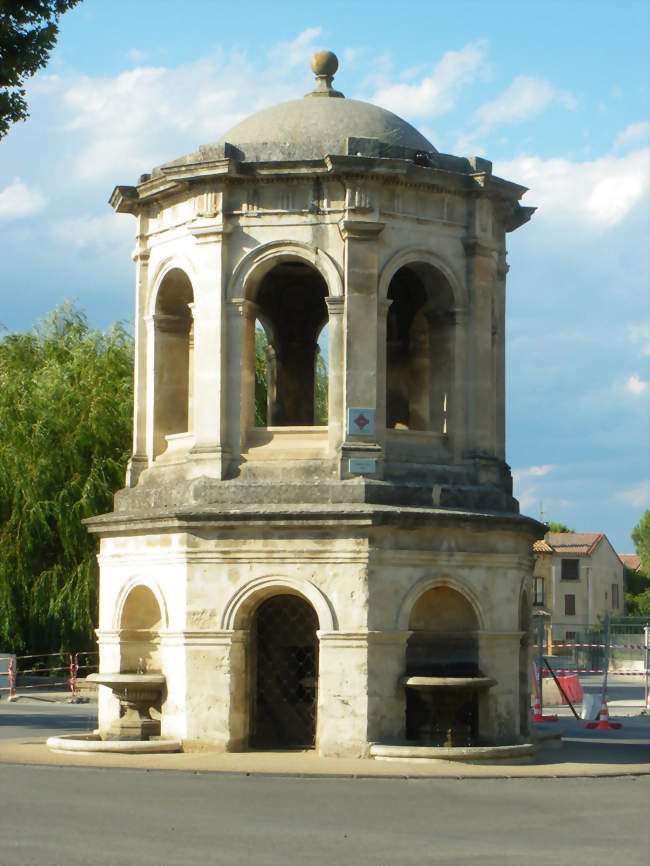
(96, 817)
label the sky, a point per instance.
(556, 94)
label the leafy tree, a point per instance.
(261, 377)
(65, 416)
(28, 32)
(641, 540)
(262, 383)
(559, 527)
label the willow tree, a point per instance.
(65, 422)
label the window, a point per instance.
(539, 591)
(569, 605)
(570, 636)
(570, 569)
(615, 602)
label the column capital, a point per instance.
(245, 308)
(362, 230)
(335, 305)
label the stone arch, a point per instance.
(240, 605)
(140, 614)
(125, 592)
(420, 255)
(170, 357)
(254, 266)
(427, 583)
(157, 278)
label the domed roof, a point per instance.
(320, 124)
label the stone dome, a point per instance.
(311, 128)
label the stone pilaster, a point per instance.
(361, 339)
(210, 347)
(139, 459)
(360, 698)
(499, 706)
(335, 379)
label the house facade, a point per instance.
(578, 578)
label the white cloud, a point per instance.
(436, 93)
(638, 495)
(634, 134)
(96, 231)
(297, 51)
(526, 97)
(136, 55)
(640, 335)
(595, 194)
(533, 471)
(636, 385)
(18, 200)
(129, 123)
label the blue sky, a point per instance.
(556, 94)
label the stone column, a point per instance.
(383, 305)
(342, 720)
(386, 694)
(361, 346)
(457, 399)
(139, 459)
(499, 706)
(360, 698)
(206, 675)
(481, 275)
(500, 359)
(210, 350)
(108, 706)
(241, 373)
(335, 377)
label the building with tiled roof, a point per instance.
(578, 580)
(629, 560)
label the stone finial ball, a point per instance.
(324, 63)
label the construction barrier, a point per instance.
(49, 675)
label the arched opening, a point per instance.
(419, 352)
(140, 626)
(284, 673)
(444, 644)
(291, 318)
(173, 359)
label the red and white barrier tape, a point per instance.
(572, 645)
(563, 671)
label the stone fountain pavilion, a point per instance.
(329, 575)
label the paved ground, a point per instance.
(294, 808)
(25, 725)
(97, 817)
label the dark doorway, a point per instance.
(285, 673)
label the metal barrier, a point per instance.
(72, 668)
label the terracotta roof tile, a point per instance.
(630, 560)
(579, 543)
(542, 547)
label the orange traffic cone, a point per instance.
(603, 723)
(537, 713)
(537, 710)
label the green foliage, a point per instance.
(262, 383)
(28, 32)
(261, 377)
(320, 391)
(65, 416)
(559, 527)
(639, 604)
(641, 539)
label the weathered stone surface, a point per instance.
(322, 211)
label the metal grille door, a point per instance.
(285, 673)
